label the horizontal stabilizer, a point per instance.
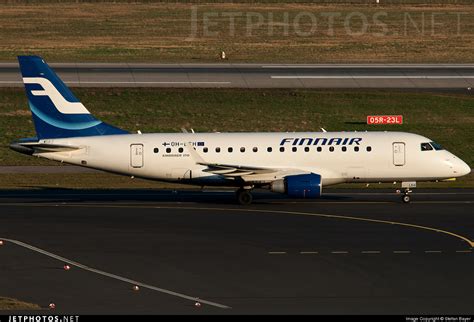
(36, 147)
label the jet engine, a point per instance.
(299, 186)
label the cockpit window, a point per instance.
(426, 147)
(436, 146)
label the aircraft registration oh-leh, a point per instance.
(295, 164)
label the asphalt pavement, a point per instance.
(351, 252)
(392, 76)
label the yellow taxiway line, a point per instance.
(267, 211)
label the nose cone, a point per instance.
(464, 168)
(459, 167)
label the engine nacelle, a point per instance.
(299, 186)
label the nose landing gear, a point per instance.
(405, 194)
(406, 197)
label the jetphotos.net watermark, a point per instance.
(42, 318)
(307, 23)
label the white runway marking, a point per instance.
(323, 202)
(117, 277)
(374, 66)
(388, 193)
(374, 77)
(373, 252)
(444, 202)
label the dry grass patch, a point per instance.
(16, 113)
(162, 32)
(7, 304)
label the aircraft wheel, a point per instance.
(244, 197)
(406, 199)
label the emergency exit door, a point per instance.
(136, 155)
(398, 153)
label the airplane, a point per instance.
(295, 164)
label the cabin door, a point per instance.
(136, 155)
(399, 153)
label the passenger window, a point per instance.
(282, 149)
(218, 150)
(168, 150)
(180, 150)
(294, 149)
(331, 148)
(319, 149)
(344, 149)
(156, 150)
(426, 147)
(242, 149)
(356, 149)
(269, 149)
(205, 150)
(369, 148)
(230, 149)
(306, 149)
(255, 149)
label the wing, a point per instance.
(230, 170)
(243, 172)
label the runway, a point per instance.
(414, 76)
(351, 252)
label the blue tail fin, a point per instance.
(57, 113)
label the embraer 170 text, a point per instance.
(295, 164)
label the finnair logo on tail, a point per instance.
(61, 104)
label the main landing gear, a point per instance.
(244, 196)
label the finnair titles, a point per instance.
(321, 141)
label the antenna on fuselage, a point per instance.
(322, 129)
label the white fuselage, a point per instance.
(393, 156)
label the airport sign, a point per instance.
(384, 119)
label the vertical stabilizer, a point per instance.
(56, 112)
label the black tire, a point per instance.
(406, 199)
(244, 197)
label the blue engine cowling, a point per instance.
(299, 186)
